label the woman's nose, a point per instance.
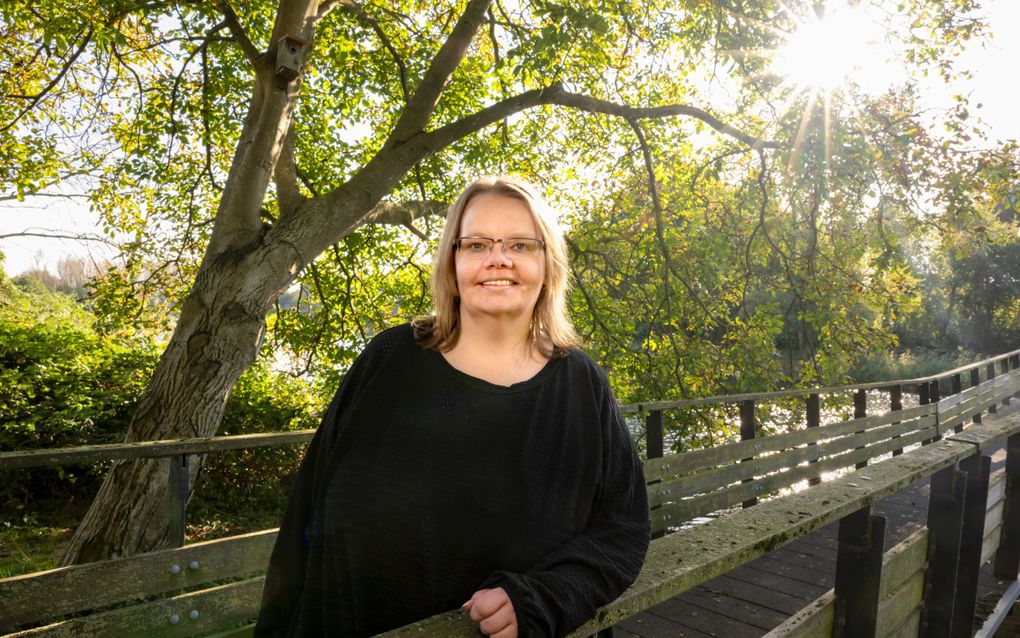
(497, 256)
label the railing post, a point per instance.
(1015, 364)
(977, 467)
(990, 369)
(975, 379)
(861, 411)
(858, 574)
(934, 394)
(654, 423)
(947, 494)
(654, 426)
(747, 431)
(956, 382)
(1005, 370)
(1007, 555)
(178, 498)
(814, 419)
(895, 405)
(957, 387)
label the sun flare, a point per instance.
(827, 51)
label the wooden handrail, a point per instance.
(148, 449)
(648, 406)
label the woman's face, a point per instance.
(495, 285)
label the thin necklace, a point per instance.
(517, 373)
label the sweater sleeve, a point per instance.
(563, 589)
(285, 574)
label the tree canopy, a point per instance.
(729, 231)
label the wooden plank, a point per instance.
(676, 514)
(181, 616)
(708, 622)
(903, 603)
(755, 617)
(964, 414)
(678, 465)
(661, 493)
(992, 392)
(992, 385)
(997, 487)
(148, 449)
(910, 628)
(247, 631)
(903, 561)
(44, 595)
(902, 570)
(990, 544)
(993, 517)
(813, 621)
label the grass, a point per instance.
(35, 543)
(27, 548)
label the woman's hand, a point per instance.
(494, 613)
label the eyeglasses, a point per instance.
(513, 247)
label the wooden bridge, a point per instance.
(890, 523)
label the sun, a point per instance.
(833, 47)
(835, 50)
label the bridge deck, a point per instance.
(759, 596)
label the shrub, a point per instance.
(61, 384)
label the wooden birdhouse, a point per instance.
(289, 53)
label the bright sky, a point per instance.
(993, 86)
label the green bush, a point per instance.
(64, 383)
(61, 384)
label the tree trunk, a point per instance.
(216, 339)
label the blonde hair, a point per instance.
(551, 328)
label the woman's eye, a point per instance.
(519, 247)
(476, 246)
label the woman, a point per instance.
(476, 455)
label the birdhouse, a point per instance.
(289, 52)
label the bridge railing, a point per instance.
(676, 562)
(929, 389)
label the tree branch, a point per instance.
(288, 193)
(555, 94)
(52, 83)
(596, 105)
(370, 22)
(422, 104)
(325, 8)
(653, 192)
(15, 196)
(46, 234)
(249, 49)
(403, 214)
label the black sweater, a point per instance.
(424, 484)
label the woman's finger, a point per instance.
(499, 620)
